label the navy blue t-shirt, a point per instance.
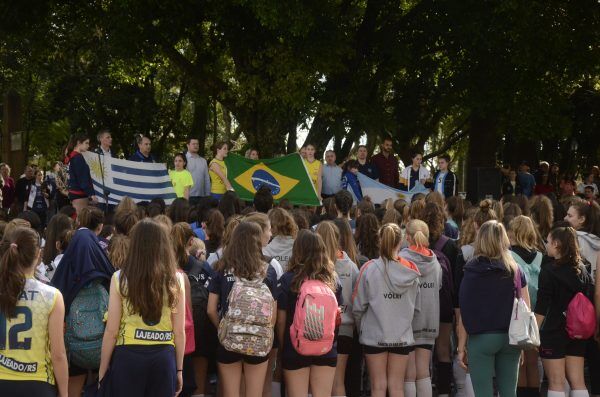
(222, 283)
(287, 301)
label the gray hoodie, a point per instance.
(426, 321)
(589, 247)
(347, 272)
(384, 302)
(280, 248)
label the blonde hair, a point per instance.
(417, 208)
(492, 242)
(164, 220)
(259, 218)
(417, 232)
(197, 245)
(525, 234)
(282, 223)
(390, 236)
(330, 234)
(118, 247)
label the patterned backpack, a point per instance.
(247, 327)
(85, 326)
(317, 312)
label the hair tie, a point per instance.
(14, 245)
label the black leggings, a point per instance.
(26, 388)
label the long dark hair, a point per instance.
(309, 260)
(57, 225)
(19, 250)
(149, 271)
(591, 212)
(244, 258)
(74, 141)
(367, 235)
(567, 245)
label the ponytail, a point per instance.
(418, 232)
(390, 236)
(19, 251)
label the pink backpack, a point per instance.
(312, 331)
(581, 317)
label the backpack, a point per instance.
(532, 273)
(199, 295)
(85, 326)
(581, 315)
(247, 327)
(313, 329)
(447, 290)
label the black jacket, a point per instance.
(556, 287)
(508, 190)
(450, 183)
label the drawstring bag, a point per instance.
(523, 331)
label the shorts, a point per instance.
(403, 350)
(206, 339)
(559, 345)
(224, 356)
(152, 367)
(344, 344)
(74, 370)
(424, 346)
(299, 362)
(27, 388)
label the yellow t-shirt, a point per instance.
(313, 170)
(181, 180)
(216, 183)
(135, 331)
(24, 339)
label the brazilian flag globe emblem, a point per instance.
(286, 177)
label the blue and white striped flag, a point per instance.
(380, 192)
(120, 178)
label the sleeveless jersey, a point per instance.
(24, 339)
(313, 170)
(135, 331)
(216, 183)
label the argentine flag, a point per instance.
(120, 178)
(378, 192)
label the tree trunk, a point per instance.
(200, 121)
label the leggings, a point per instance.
(491, 354)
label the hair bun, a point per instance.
(485, 205)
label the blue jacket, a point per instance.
(486, 296)
(350, 180)
(80, 180)
(140, 158)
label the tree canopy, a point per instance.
(509, 80)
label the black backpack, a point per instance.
(447, 290)
(199, 280)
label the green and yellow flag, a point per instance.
(286, 176)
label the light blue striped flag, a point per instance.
(380, 192)
(120, 178)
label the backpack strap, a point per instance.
(441, 243)
(517, 282)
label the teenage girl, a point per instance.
(182, 235)
(527, 250)
(284, 231)
(426, 319)
(490, 282)
(144, 340)
(81, 189)
(314, 168)
(383, 307)
(309, 261)
(243, 260)
(181, 178)
(32, 348)
(226, 234)
(347, 272)
(217, 170)
(559, 281)
(262, 220)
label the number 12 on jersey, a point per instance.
(14, 341)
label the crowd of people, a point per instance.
(213, 295)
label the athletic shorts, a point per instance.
(141, 371)
(224, 356)
(403, 351)
(75, 370)
(26, 388)
(344, 344)
(206, 339)
(558, 345)
(426, 347)
(299, 362)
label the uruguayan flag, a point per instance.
(120, 178)
(378, 192)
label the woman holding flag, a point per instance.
(217, 170)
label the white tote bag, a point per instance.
(523, 331)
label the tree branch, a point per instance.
(459, 133)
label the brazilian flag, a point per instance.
(286, 176)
